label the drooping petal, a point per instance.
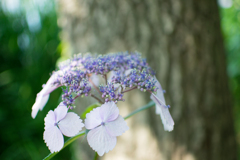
(43, 95)
(93, 118)
(71, 124)
(50, 86)
(116, 127)
(39, 103)
(166, 117)
(54, 139)
(157, 100)
(60, 111)
(100, 141)
(158, 85)
(157, 110)
(162, 109)
(160, 92)
(49, 120)
(109, 111)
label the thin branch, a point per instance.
(105, 77)
(99, 100)
(95, 86)
(129, 89)
(77, 96)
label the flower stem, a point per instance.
(96, 156)
(150, 104)
(129, 89)
(105, 77)
(99, 100)
(95, 86)
(69, 141)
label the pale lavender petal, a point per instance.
(166, 117)
(109, 111)
(100, 141)
(43, 95)
(39, 103)
(158, 83)
(71, 124)
(116, 127)
(157, 99)
(157, 110)
(60, 111)
(160, 93)
(54, 139)
(93, 118)
(49, 87)
(49, 120)
(127, 72)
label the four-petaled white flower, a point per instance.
(162, 108)
(43, 95)
(105, 124)
(57, 123)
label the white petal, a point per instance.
(158, 83)
(166, 117)
(49, 87)
(54, 139)
(158, 100)
(71, 124)
(116, 127)
(160, 93)
(100, 141)
(49, 120)
(39, 104)
(127, 72)
(60, 111)
(43, 95)
(157, 110)
(93, 119)
(109, 111)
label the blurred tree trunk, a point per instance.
(182, 41)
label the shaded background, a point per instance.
(30, 47)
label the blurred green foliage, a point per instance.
(28, 53)
(231, 30)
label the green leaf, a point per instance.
(89, 109)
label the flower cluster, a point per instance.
(105, 78)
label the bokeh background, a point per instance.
(31, 47)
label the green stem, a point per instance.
(96, 156)
(69, 141)
(150, 104)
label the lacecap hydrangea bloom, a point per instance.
(106, 79)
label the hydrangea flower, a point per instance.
(162, 108)
(59, 123)
(43, 95)
(106, 78)
(105, 124)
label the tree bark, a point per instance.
(183, 43)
